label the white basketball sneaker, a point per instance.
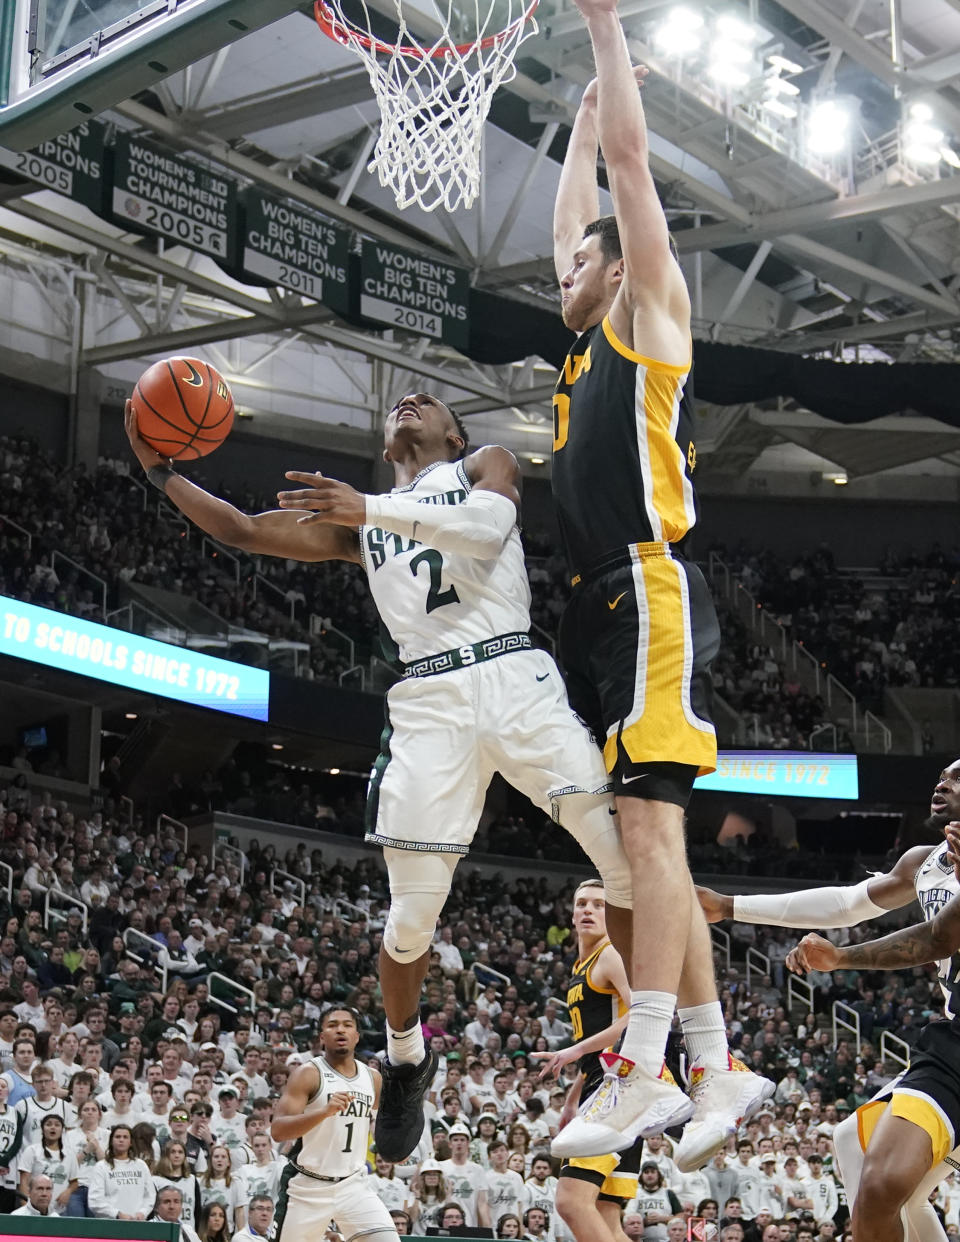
(630, 1103)
(723, 1099)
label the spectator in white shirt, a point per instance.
(40, 1198)
(169, 1208)
(259, 1220)
(823, 1191)
(257, 1086)
(553, 1030)
(95, 890)
(487, 1000)
(449, 954)
(30, 1009)
(477, 1030)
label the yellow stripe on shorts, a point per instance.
(923, 1112)
(659, 728)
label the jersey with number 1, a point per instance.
(337, 1147)
(937, 885)
(431, 601)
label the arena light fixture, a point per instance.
(922, 140)
(732, 50)
(828, 127)
(779, 108)
(679, 34)
(538, 461)
(334, 771)
(949, 156)
(783, 65)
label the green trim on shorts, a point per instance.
(376, 776)
(283, 1196)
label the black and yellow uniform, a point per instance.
(640, 631)
(592, 1009)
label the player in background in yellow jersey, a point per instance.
(640, 631)
(593, 1191)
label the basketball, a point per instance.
(184, 408)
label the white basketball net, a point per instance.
(434, 97)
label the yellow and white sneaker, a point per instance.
(630, 1103)
(722, 1101)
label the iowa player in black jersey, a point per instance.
(593, 1190)
(640, 631)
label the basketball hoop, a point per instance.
(433, 97)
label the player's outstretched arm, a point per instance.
(653, 284)
(832, 906)
(913, 946)
(477, 528)
(290, 1121)
(264, 534)
(578, 199)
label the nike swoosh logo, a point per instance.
(403, 950)
(196, 380)
(544, 677)
(613, 604)
(625, 780)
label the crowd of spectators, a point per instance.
(871, 628)
(885, 628)
(154, 1032)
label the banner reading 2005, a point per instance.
(160, 191)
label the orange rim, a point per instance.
(345, 33)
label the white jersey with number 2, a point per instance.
(337, 1147)
(432, 601)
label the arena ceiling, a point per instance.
(853, 253)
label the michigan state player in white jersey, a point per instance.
(326, 1109)
(443, 557)
(898, 1146)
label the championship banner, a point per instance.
(160, 191)
(407, 290)
(71, 164)
(288, 245)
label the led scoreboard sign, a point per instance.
(784, 773)
(145, 664)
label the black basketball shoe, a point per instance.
(400, 1118)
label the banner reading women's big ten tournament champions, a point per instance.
(287, 244)
(414, 292)
(160, 191)
(100, 651)
(72, 164)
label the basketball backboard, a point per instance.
(64, 60)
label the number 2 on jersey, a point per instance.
(436, 596)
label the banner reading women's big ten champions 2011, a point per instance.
(160, 191)
(414, 292)
(287, 244)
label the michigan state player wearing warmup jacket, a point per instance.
(640, 631)
(444, 562)
(895, 1149)
(326, 1109)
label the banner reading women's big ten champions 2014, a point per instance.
(414, 292)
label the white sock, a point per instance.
(645, 1039)
(405, 1047)
(705, 1034)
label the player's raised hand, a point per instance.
(812, 953)
(146, 456)
(555, 1061)
(339, 1102)
(328, 499)
(952, 833)
(715, 906)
